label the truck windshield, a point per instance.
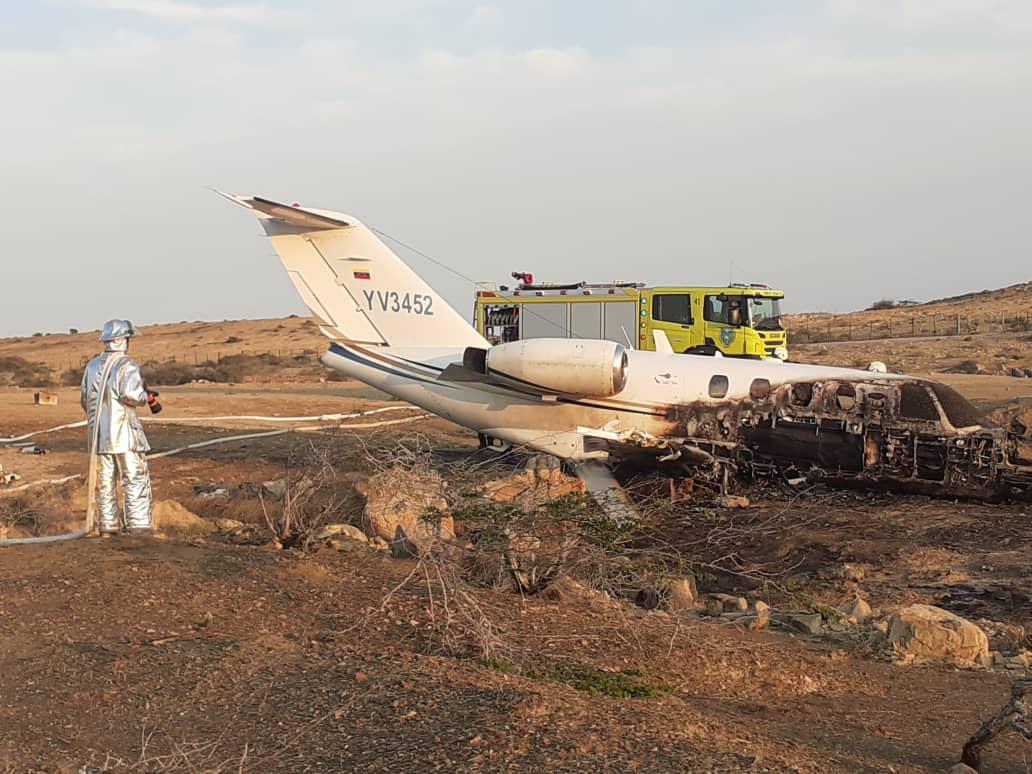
(765, 313)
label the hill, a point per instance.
(1003, 310)
(257, 350)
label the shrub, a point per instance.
(19, 372)
(73, 331)
(885, 303)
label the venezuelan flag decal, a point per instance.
(361, 274)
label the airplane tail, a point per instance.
(356, 287)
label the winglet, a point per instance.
(662, 342)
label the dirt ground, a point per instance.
(194, 653)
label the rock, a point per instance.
(966, 367)
(857, 611)
(276, 488)
(403, 547)
(348, 531)
(228, 525)
(1017, 373)
(717, 604)
(679, 593)
(853, 572)
(345, 544)
(566, 589)
(1017, 662)
(1028, 373)
(757, 617)
(397, 502)
(731, 501)
(648, 598)
(170, 516)
(379, 543)
(961, 768)
(534, 486)
(923, 633)
(804, 623)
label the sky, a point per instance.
(842, 150)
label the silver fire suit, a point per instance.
(110, 404)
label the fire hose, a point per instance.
(94, 459)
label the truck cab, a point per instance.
(738, 320)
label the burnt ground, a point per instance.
(198, 654)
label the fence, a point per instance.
(202, 357)
(848, 328)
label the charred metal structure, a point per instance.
(909, 435)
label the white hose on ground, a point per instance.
(242, 417)
(201, 444)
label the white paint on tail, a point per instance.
(356, 287)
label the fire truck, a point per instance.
(738, 320)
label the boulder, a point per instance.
(227, 525)
(1028, 373)
(676, 594)
(397, 502)
(924, 633)
(1017, 373)
(679, 593)
(171, 517)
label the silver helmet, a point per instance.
(117, 329)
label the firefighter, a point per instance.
(112, 389)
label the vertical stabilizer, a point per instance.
(355, 286)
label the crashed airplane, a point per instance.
(594, 400)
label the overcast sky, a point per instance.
(843, 150)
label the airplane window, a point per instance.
(672, 308)
(802, 394)
(759, 389)
(718, 386)
(845, 396)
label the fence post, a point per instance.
(958, 324)
(913, 325)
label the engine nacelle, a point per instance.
(555, 366)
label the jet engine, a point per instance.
(554, 366)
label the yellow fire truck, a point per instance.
(738, 320)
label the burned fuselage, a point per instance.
(904, 434)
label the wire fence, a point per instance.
(199, 357)
(849, 328)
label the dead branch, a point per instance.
(1012, 717)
